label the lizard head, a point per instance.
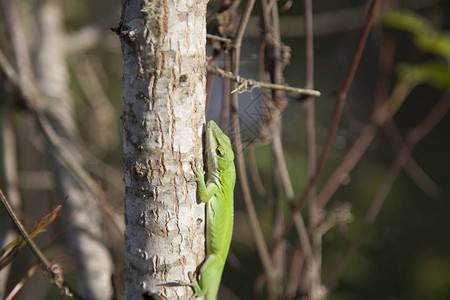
(220, 153)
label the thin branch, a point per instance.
(279, 96)
(32, 98)
(21, 283)
(303, 256)
(412, 168)
(226, 93)
(36, 102)
(245, 83)
(313, 272)
(103, 111)
(379, 115)
(310, 109)
(240, 164)
(309, 45)
(337, 116)
(294, 279)
(271, 55)
(284, 173)
(77, 170)
(209, 83)
(67, 157)
(330, 22)
(363, 142)
(242, 27)
(257, 182)
(32, 270)
(27, 86)
(278, 258)
(52, 270)
(346, 86)
(23, 61)
(432, 119)
(280, 176)
(413, 138)
(218, 38)
(8, 68)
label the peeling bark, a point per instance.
(163, 47)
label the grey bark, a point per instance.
(83, 216)
(163, 47)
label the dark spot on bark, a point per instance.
(183, 78)
(150, 296)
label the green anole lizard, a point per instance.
(217, 192)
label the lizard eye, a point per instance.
(219, 152)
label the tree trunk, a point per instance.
(163, 47)
(84, 219)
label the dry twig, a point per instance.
(239, 158)
(245, 84)
(413, 138)
(52, 270)
(337, 116)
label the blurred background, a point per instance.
(404, 255)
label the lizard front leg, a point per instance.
(207, 271)
(205, 191)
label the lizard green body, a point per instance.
(217, 193)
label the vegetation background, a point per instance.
(405, 255)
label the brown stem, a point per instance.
(284, 174)
(379, 115)
(8, 68)
(337, 116)
(313, 276)
(412, 168)
(279, 257)
(238, 150)
(218, 38)
(257, 182)
(226, 92)
(413, 138)
(52, 270)
(245, 83)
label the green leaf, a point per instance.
(426, 37)
(408, 21)
(434, 73)
(41, 226)
(435, 43)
